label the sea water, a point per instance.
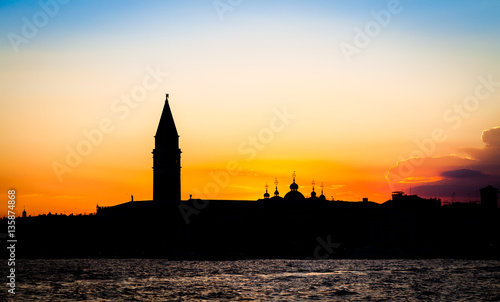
(261, 280)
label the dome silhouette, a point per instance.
(294, 194)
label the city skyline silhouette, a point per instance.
(167, 172)
(286, 225)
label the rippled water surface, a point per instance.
(265, 280)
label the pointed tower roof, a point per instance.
(166, 127)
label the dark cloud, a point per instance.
(463, 176)
(446, 189)
(462, 173)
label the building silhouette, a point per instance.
(166, 159)
(401, 200)
(489, 197)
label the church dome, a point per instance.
(313, 193)
(266, 195)
(322, 196)
(276, 193)
(294, 196)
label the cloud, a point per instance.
(491, 137)
(335, 187)
(416, 180)
(462, 173)
(429, 168)
(442, 176)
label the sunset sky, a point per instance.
(342, 92)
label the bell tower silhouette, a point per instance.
(166, 159)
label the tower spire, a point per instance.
(166, 158)
(294, 186)
(276, 193)
(166, 134)
(266, 195)
(322, 196)
(313, 193)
